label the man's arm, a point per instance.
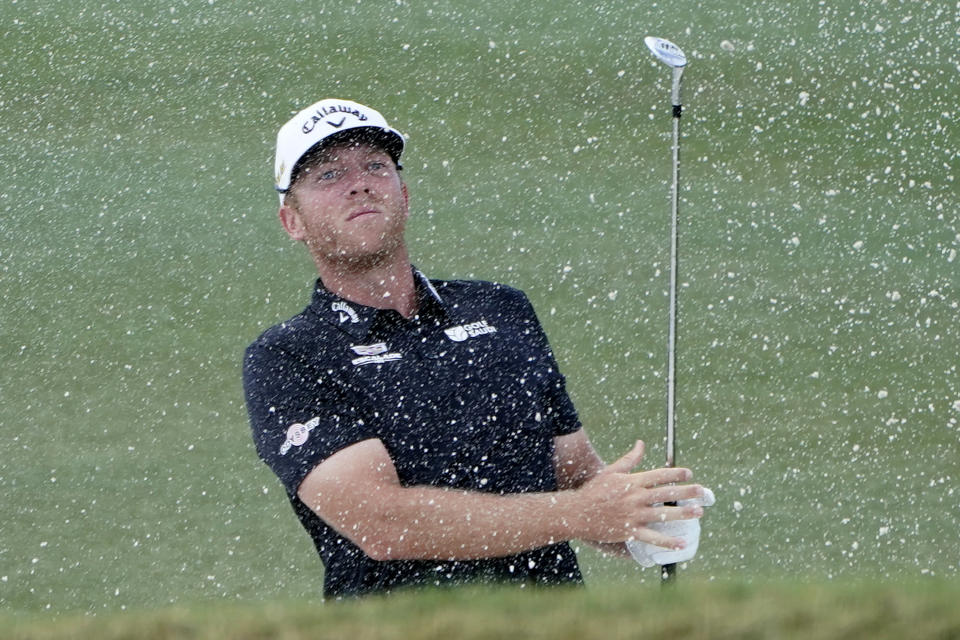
(575, 460)
(357, 492)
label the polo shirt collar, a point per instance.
(426, 292)
(357, 319)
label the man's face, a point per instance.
(349, 206)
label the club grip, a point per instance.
(668, 572)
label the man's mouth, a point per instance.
(362, 212)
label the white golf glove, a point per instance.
(648, 555)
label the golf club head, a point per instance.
(673, 56)
(666, 52)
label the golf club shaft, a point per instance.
(672, 330)
(669, 571)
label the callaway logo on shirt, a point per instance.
(346, 312)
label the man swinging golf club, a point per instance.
(421, 427)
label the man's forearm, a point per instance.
(433, 523)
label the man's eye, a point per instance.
(329, 174)
(376, 166)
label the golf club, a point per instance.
(670, 54)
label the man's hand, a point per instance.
(617, 505)
(648, 555)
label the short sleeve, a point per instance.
(560, 409)
(298, 418)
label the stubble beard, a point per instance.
(355, 257)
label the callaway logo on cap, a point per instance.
(325, 122)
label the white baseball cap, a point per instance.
(328, 121)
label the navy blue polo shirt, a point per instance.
(465, 395)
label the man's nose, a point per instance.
(358, 181)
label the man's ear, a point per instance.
(291, 221)
(406, 200)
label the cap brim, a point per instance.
(390, 141)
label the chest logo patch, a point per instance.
(472, 330)
(378, 359)
(373, 354)
(370, 349)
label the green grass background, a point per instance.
(819, 336)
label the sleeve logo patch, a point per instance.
(298, 434)
(472, 330)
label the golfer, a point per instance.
(421, 427)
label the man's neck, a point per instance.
(385, 286)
